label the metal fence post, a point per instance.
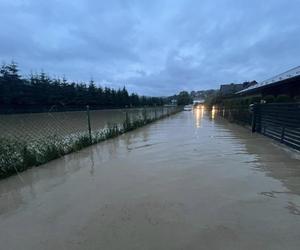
(127, 122)
(258, 116)
(89, 122)
(282, 135)
(253, 110)
(144, 114)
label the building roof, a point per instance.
(231, 88)
(295, 72)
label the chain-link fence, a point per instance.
(32, 139)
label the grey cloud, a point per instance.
(152, 47)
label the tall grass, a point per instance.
(19, 155)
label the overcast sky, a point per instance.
(152, 47)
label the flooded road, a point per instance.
(190, 181)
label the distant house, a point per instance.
(287, 83)
(174, 102)
(229, 89)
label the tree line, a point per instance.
(40, 92)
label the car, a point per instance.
(188, 108)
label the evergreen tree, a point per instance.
(41, 92)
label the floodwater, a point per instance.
(190, 181)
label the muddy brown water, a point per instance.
(190, 181)
(36, 126)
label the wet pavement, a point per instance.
(191, 181)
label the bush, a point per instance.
(269, 98)
(246, 101)
(255, 99)
(297, 98)
(28, 156)
(283, 98)
(82, 142)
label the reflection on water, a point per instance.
(199, 113)
(92, 164)
(274, 160)
(213, 112)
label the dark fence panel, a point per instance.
(280, 122)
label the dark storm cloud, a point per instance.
(152, 47)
